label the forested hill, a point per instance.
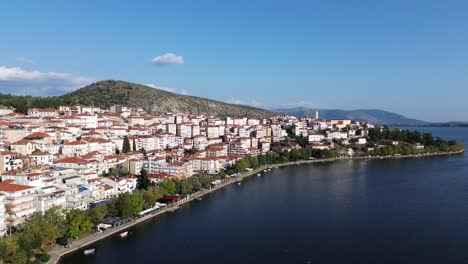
(107, 93)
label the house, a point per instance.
(39, 138)
(79, 164)
(316, 138)
(10, 161)
(175, 169)
(134, 166)
(217, 150)
(6, 110)
(75, 148)
(122, 184)
(49, 197)
(361, 141)
(23, 147)
(157, 178)
(419, 146)
(44, 112)
(41, 159)
(20, 202)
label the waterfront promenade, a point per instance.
(82, 244)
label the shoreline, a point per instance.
(60, 251)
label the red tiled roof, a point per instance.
(159, 175)
(36, 135)
(8, 186)
(8, 153)
(75, 160)
(76, 142)
(22, 142)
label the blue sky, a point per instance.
(409, 57)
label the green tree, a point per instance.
(157, 191)
(45, 232)
(222, 174)
(78, 223)
(56, 217)
(252, 161)
(182, 187)
(98, 213)
(112, 207)
(149, 199)
(196, 186)
(129, 204)
(169, 186)
(295, 154)
(193, 150)
(28, 242)
(261, 160)
(11, 251)
(143, 181)
(241, 165)
(126, 145)
(205, 180)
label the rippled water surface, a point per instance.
(379, 211)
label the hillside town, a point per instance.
(78, 156)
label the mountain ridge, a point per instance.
(114, 92)
(375, 116)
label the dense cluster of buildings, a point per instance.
(62, 157)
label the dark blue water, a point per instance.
(379, 211)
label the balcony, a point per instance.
(11, 200)
(12, 216)
(20, 208)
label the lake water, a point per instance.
(379, 211)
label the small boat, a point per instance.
(198, 199)
(89, 251)
(124, 234)
(258, 175)
(239, 181)
(264, 170)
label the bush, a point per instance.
(45, 257)
(62, 241)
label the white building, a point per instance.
(3, 227)
(6, 110)
(9, 161)
(316, 138)
(20, 202)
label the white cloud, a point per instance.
(16, 80)
(307, 104)
(252, 102)
(25, 60)
(172, 90)
(302, 103)
(168, 59)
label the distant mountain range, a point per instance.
(374, 116)
(107, 93)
